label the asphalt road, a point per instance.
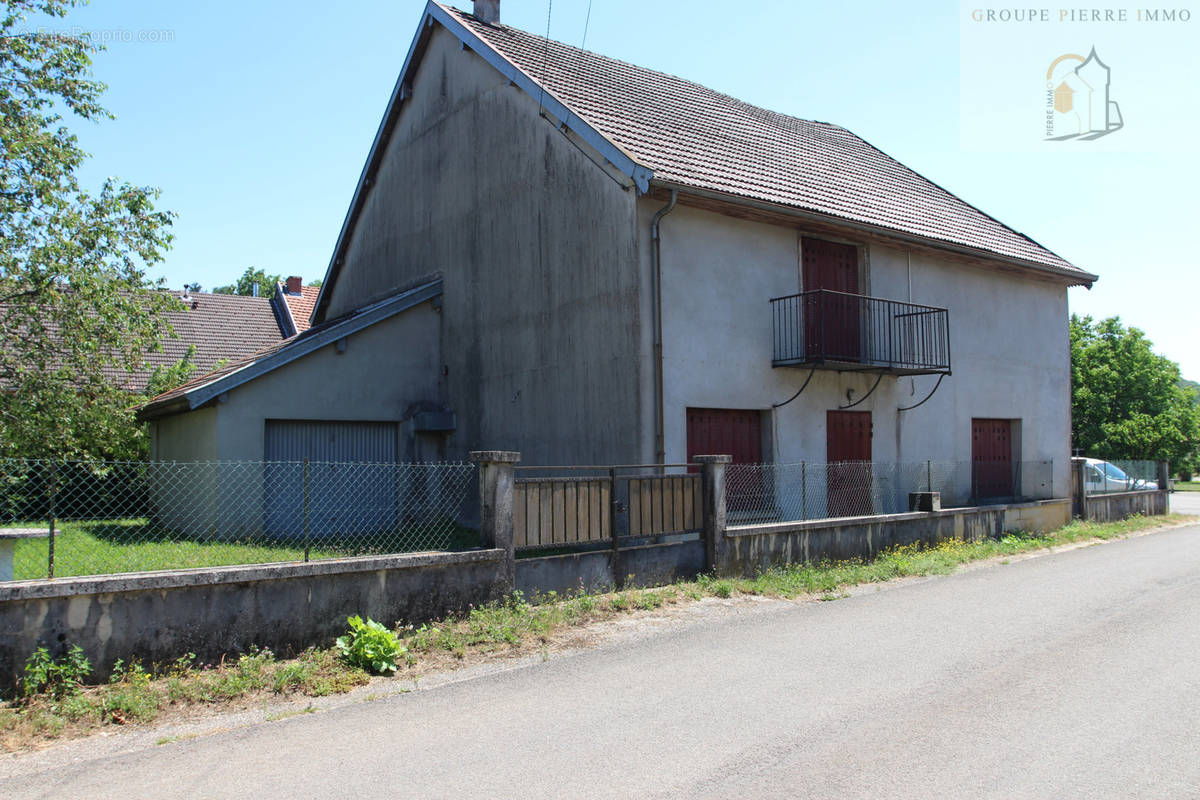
(1068, 675)
(1185, 502)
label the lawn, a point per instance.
(1187, 486)
(134, 545)
(100, 547)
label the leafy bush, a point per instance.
(370, 646)
(55, 677)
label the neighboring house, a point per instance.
(295, 302)
(590, 262)
(224, 328)
(218, 328)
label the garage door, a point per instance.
(351, 478)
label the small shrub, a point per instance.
(370, 646)
(55, 677)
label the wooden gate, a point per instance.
(848, 474)
(549, 512)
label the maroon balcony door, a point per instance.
(831, 321)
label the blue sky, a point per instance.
(254, 119)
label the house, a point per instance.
(559, 253)
(215, 328)
(294, 302)
(221, 328)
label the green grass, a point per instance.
(136, 694)
(133, 545)
(1187, 486)
(137, 545)
(830, 578)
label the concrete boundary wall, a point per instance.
(1119, 505)
(604, 571)
(749, 549)
(157, 616)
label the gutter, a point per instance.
(1077, 277)
(660, 448)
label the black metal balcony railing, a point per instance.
(850, 331)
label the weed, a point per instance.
(722, 589)
(370, 646)
(55, 677)
(308, 709)
(648, 600)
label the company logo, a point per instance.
(1078, 105)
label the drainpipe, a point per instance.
(660, 448)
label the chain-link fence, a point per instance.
(134, 516)
(1119, 475)
(806, 490)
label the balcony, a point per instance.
(850, 332)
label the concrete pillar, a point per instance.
(712, 482)
(496, 476)
(1164, 484)
(1078, 492)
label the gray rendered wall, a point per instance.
(536, 247)
(1009, 346)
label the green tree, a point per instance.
(1126, 400)
(75, 303)
(245, 284)
(166, 378)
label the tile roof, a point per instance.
(692, 136)
(302, 305)
(222, 327)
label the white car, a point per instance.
(1100, 477)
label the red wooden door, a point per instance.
(848, 473)
(831, 322)
(991, 458)
(733, 432)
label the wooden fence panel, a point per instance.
(552, 511)
(664, 504)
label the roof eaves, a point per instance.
(1075, 276)
(972, 206)
(435, 12)
(205, 391)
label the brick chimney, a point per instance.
(294, 284)
(488, 11)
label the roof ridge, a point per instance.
(467, 16)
